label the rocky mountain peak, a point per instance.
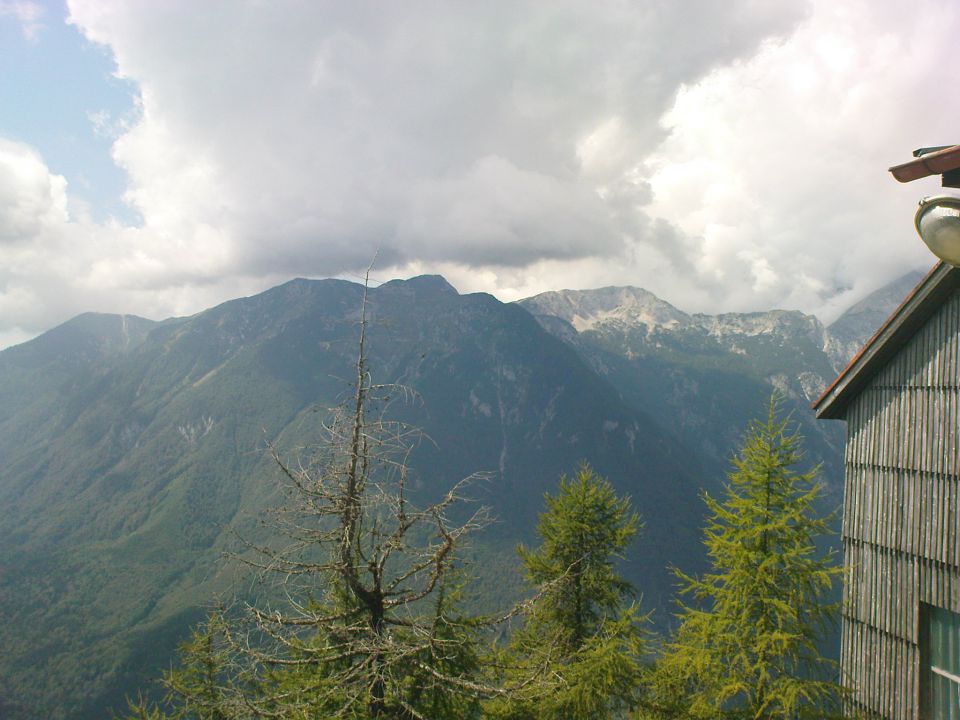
(774, 323)
(631, 308)
(608, 306)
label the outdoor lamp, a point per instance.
(938, 219)
(938, 224)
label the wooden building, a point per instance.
(900, 398)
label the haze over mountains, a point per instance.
(132, 449)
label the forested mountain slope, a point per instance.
(705, 376)
(132, 450)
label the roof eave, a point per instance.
(935, 163)
(922, 302)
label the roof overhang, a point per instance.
(919, 305)
(942, 161)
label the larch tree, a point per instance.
(585, 630)
(747, 641)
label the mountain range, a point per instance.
(133, 450)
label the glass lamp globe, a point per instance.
(938, 224)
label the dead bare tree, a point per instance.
(367, 625)
(362, 620)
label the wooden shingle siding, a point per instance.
(911, 511)
(901, 514)
(888, 682)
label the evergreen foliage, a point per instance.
(583, 632)
(200, 678)
(373, 624)
(199, 688)
(746, 645)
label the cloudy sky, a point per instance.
(159, 157)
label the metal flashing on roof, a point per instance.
(919, 305)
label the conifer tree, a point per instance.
(199, 679)
(747, 642)
(200, 686)
(584, 630)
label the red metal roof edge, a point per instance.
(849, 369)
(933, 163)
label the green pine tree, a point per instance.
(582, 639)
(197, 684)
(453, 650)
(747, 642)
(199, 687)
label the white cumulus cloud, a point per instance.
(485, 135)
(727, 156)
(777, 164)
